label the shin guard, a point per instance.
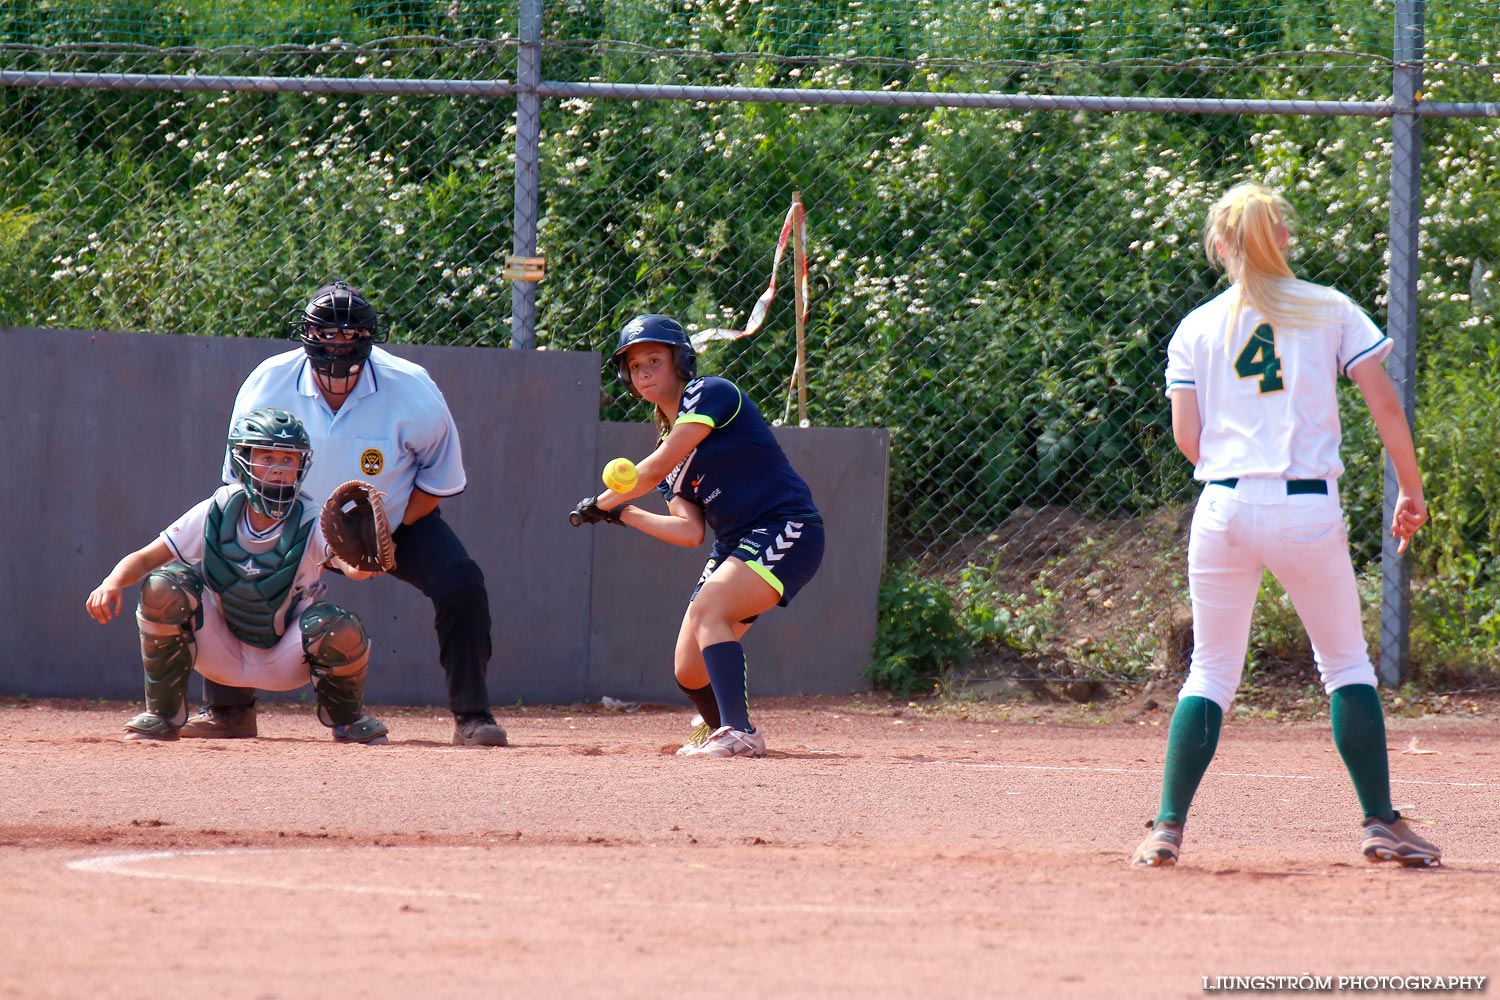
(338, 653)
(171, 608)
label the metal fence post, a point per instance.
(1405, 230)
(528, 156)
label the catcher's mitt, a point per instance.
(357, 528)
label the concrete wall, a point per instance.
(107, 437)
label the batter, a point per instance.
(720, 469)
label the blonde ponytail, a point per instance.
(1246, 234)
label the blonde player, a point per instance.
(1251, 376)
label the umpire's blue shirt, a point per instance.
(394, 431)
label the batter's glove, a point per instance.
(358, 531)
(588, 511)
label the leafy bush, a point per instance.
(918, 637)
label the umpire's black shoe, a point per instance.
(477, 731)
(213, 723)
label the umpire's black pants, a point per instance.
(430, 557)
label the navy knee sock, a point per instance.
(726, 672)
(703, 700)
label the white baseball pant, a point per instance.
(1253, 526)
(223, 658)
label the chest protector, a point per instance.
(254, 588)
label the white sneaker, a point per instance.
(695, 742)
(726, 742)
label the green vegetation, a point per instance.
(994, 287)
(920, 639)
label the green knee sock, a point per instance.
(1359, 733)
(1191, 743)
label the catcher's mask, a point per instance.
(274, 430)
(333, 313)
(654, 329)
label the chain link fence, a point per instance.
(1003, 204)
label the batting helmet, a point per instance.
(654, 329)
(337, 306)
(274, 429)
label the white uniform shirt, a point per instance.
(394, 431)
(185, 537)
(1269, 407)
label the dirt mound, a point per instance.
(1075, 609)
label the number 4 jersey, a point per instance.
(1267, 393)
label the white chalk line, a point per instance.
(1212, 773)
(1090, 769)
(127, 865)
(123, 864)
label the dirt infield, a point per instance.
(870, 855)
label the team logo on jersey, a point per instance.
(674, 480)
(371, 461)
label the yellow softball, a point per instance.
(620, 475)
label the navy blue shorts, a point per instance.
(785, 554)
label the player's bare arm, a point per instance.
(420, 505)
(1395, 434)
(683, 526)
(105, 601)
(655, 467)
(1187, 425)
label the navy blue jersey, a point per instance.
(738, 475)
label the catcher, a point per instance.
(231, 588)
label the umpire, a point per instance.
(376, 417)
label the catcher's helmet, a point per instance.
(337, 306)
(277, 430)
(654, 329)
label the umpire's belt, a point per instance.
(1294, 487)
